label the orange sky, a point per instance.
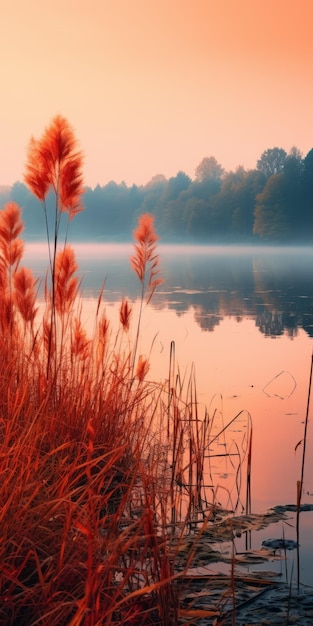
(153, 86)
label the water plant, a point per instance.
(54, 164)
(103, 471)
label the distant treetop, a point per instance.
(209, 169)
(272, 161)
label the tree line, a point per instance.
(271, 203)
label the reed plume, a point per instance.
(145, 262)
(48, 340)
(11, 226)
(54, 162)
(5, 302)
(67, 284)
(25, 294)
(143, 367)
(80, 343)
(125, 314)
(11, 251)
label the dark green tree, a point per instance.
(172, 202)
(271, 221)
(198, 219)
(293, 192)
(307, 192)
(151, 197)
(175, 185)
(235, 202)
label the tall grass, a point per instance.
(81, 543)
(102, 470)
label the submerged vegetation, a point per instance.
(107, 490)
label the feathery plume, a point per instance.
(143, 367)
(3, 276)
(66, 283)
(24, 294)
(103, 328)
(48, 339)
(80, 343)
(37, 177)
(11, 226)
(145, 263)
(55, 161)
(145, 260)
(125, 314)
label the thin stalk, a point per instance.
(233, 589)
(171, 375)
(248, 489)
(300, 483)
(138, 324)
(53, 329)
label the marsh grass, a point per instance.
(80, 482)
(104, 473)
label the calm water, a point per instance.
(244, 318)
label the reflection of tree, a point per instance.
(180, 307)
(270, 323)
(275, 323)
(273, 288)
(207, 321)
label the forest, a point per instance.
(272, 203)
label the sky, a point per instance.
(154, 86)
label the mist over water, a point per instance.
(272, 286)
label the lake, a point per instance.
(243, 319)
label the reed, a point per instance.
(300, 482)
(54, 164)
(145, 263)
(102, 469)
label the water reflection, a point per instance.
(272, 286)
(240, 297)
